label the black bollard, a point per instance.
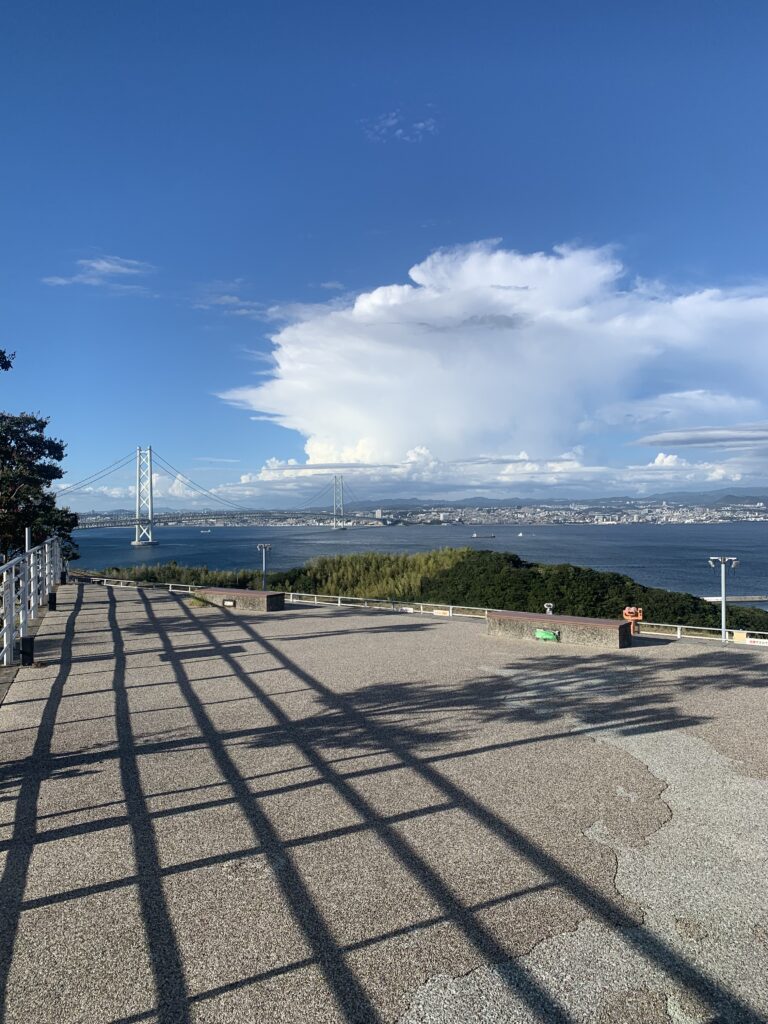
(52, 601)
(27, 646)
(63, 576)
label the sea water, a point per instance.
(669, 556)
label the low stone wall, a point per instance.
(248, 600)
(609, 634)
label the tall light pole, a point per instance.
(264, 548)
(725, 562)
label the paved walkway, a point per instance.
(327, 815)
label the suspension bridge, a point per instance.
(324, 506)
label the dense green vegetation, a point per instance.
(484, 579)
(197, 575)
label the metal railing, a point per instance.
(111, 581)
(387, 604)
(675, 631)
(750, 637)
(25, 583)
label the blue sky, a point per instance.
(210, 214)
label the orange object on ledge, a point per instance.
(633, 615)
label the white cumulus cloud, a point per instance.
(487, 351)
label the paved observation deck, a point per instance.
(331, 815)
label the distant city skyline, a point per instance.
(449, 251)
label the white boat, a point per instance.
(519, 535)
(483, 536)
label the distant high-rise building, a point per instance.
(378, 513)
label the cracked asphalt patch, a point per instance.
(330, 815)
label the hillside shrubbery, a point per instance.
(196, 575)
(484, 579)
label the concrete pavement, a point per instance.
(331, 815)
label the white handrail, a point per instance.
(25, 583)
(389, 604)
(112, 581)
(679, 631)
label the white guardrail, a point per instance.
(26, 582)
(674, 631)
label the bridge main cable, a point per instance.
(166, 465)
(99, 475)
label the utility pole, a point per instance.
(144, 505)
(725, 562)
(264, 548)
(338, 502)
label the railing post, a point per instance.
(24, 597)
(679, 632)
(43, 596)
(8, 616)
(32, 570)
(57, 560)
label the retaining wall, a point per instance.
(610, 634)
(249, 600)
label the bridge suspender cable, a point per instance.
(205, 492)
(99, 475)
(198, 487)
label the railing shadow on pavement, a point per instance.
(409, 723)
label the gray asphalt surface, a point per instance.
(331, 815)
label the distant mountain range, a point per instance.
(712, 499)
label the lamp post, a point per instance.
(725, 562)
(264, 548)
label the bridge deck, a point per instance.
(337, 816)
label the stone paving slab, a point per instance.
(332, 815)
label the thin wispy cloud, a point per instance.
(396, 127)
(226, 297)
(215, 459)
(748, 437)
(112, 272)
(332, 286)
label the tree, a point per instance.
(29, 463)
(6, 359)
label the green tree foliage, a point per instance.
(493, 579)
(460, 576)
(29, 463)
(372, 574)
(6, 359)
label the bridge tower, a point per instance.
(144, 509)
(338, 502)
